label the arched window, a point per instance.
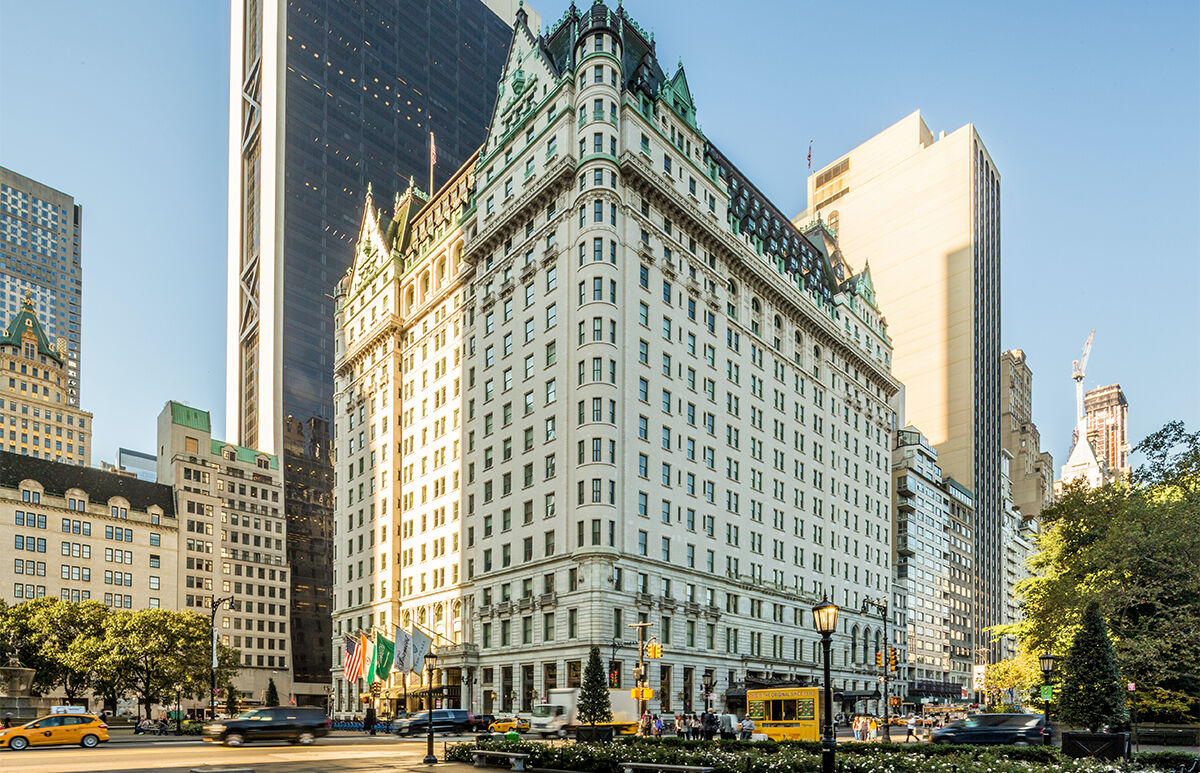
(421, 616)
(408, 300)
(755, 306)
(854, 644)
(866, 646)
(778, 322)
(733, 290)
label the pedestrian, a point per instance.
(728, 726)
(874, 729)
(856, 726)
(658, 726)
(747, 728)
(912, 729)
(369, 720)
(8, 720)
(644, 725)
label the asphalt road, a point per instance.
(383, 754)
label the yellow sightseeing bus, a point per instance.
(786, 713)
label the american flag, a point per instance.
(356, 651)
(432, 151)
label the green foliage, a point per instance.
(796, 756)
(1091, 694)
(272, 697)
(60, 640)
(231, 701)
(156, 650)
(1168, 760)
(1132, 547)
(1166, 706)
(594, 704)
(1021, 674)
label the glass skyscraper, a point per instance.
(40, 233)
(326, 97)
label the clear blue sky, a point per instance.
(1089, 109)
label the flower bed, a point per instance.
(794, 757)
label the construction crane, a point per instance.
(1079, 370)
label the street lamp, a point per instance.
(178, 709)
(430, 759)
(1046, 661)
(212, 668)
(825, 620)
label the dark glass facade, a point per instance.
(367, 80)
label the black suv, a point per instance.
(1015, 729)
(295, 724)
(453, 721)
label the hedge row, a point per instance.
(794, 757)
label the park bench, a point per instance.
(656, 767)
(480, 758)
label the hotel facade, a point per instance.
(599, 379)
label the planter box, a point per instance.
(597, 734)
(1101, 746)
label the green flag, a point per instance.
(381, 659)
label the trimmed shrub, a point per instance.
(1171, 760)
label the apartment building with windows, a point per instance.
(1107, 413)
(81, 534)
(232, 544)
(634, 393)
(1031, 470)
(40, 247)
(38, 416)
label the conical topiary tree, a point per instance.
(1090, 694)
(594, 705)
(231, 701)
(272, 698)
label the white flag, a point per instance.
(420, 648)
(403, 650)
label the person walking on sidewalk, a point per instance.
(912, 729)
(369, 721)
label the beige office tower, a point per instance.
(232, 538)
(1032, 470)
(924, 210)
(1107, 414)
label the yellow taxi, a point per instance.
(504, 724)
(87, 730)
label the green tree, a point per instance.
(1091, 694)
(594, 705)
(157, 650)
(57, 639)
(231, 701)
(1132, 547)
(272, 698)
(1020, 674)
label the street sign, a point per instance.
(978, 677)
(1047, 692)
(641, 693)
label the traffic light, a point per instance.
(614, 674)
(879, 657)
(654, 650)
(893, 658)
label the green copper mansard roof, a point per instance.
(27, 321)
